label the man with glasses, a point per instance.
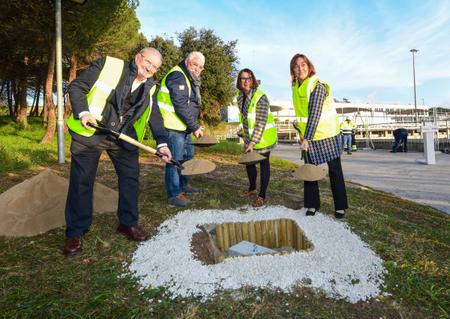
(179, 101)
(122, 96)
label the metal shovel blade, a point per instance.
(197, 167)
(251, 158)
(310, 173)
(205, 140)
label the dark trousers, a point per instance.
(312, 196)
(265, 175)
(79, 204)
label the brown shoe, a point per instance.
(132, 233)
(259, 201)
(72, 246)
(248, 193)
(180, 200)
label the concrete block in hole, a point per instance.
(244, 248)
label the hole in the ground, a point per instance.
(215, 242)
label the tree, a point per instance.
(87, 36)
(220, 68)
(49, 106)
(24, 34)
(171, 55)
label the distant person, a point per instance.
(401, 139)
(353, 124)
(123, 95)
(346, 129)
(179, 101)
(258, 130)
(319, 125)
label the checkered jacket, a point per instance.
(325, 150)
(262, 112)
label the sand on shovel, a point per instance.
(197, 167)
(251, 158)
(309, 172)
(205, 140)
(37, 204)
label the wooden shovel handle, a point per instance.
(134, 142)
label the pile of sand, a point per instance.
(37, 205)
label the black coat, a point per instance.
(110, 117)
(186, 107)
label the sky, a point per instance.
(361, 48)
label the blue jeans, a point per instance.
(347, 140)
(180, 145)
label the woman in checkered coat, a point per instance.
(319, 125)
(258, 130)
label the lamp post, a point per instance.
(59, 95)
(414, 77)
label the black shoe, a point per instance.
(339, 215)
(310, 213)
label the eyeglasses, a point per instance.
(245, 79)
(149, 63)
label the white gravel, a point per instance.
(340, 264)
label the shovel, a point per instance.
(251, 158)
(307, 172)
(132, 141)
(205, 141)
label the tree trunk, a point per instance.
(49, 106)
(22, 103)
(72, 76)
(35, 103)
(38, 97)
(15, 94)
(9, 95)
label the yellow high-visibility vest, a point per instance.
(346, 127)
(329, 122)
(269, 136)
(98, 96)
(171, 119)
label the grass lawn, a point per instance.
(37, 281)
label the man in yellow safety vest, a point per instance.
(179, 101)
(122, 95)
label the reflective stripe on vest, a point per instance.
(171, 119)
(346, 127)
(329, 122)
(97, 96)
(269, 135)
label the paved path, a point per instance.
(401, 174)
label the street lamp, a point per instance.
(59, 92)
(414, 77)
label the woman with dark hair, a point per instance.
(319, 124)
(258, 129)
